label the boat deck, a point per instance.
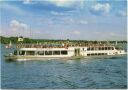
(59, 46)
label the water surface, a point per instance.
(84, 73)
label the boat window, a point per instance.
(99, 53)
(92, 54)
(56, 52)
(105, 48)
(102, 53)
(48, 52)
(88, 49)
(117, 48)
(88, 54)
(102, 48)
(109, 48)
(22, 53)
(15, 52)
(112, 48)
(95, 53)
(40, 52)
(92, 48)
(96, 48)
(64, 52)
(30, 52)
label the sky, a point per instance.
(64, 19)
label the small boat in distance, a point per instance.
(41, 52)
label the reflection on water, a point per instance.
(83, 73)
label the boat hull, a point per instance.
(24, 58)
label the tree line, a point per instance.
(14, 40)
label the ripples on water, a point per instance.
(84, 73)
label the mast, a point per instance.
(116, 42)
(10, 44)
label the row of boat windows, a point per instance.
(99, 48)
(64, 52)
(96, 54)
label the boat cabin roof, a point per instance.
(58, 46)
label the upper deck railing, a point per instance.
(60, 45)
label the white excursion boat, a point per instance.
(41, 52)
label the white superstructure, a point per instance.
(63, 52)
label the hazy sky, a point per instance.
(62, 19)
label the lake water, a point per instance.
(55, 74)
